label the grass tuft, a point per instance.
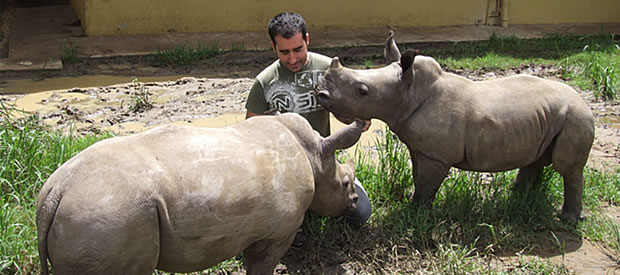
(184, 55)
(139, 98)
(69, 54)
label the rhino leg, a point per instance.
(427, 177)
(573, 192)
(119, 243)
(529, 175)
(569, 157)
(262, 257)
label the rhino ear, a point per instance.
(335, 63)
(391, 52)
(343, 138)
(406, 62)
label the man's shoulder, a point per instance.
(319, 60)
(269, 73)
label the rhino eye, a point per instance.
(362, 89)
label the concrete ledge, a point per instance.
(11, 64)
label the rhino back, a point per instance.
(493, 125)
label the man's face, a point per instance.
(293, 52)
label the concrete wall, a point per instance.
(109, 17)
(563, 11)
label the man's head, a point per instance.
(290, 40)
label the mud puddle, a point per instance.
(28, 86)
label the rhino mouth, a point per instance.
(322, 97)
(322, 92)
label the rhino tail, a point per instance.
(46, 211)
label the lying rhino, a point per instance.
(181, 198)
(449, 121)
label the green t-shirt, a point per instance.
(276, 87)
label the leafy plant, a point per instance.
(184, 55)
(237, 47)
(367, 64)
(69, 53)
(603, 75)
(139, 98)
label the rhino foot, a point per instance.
(571, 217)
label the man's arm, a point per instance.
(249, 114)
(256, 101)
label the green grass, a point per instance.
(597, 69)
(29, 153)
(237, 46)
(69, 54)
(589, 62)
(139, 98)
(186, 55)
(473, 220)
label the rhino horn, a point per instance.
(343, 138)
(391, 52)
(335, 63)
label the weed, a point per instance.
(139, 98)
(237, 47)
(184, 55)
(590, 62)
(69, 53)
(601, 70)
(367, 64)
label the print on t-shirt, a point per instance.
(297, 97)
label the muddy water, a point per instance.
(27, 86)
(612, 121)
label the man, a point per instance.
(287, 86)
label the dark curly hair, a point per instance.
(287, 24)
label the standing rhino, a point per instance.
(449, 121)
(182, 198)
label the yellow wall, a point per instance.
(563, 11)
(107, 17)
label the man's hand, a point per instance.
(367, 124)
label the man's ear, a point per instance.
(307, 39)
(273, 46)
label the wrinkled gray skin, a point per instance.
(182, 198)
(449, 121)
